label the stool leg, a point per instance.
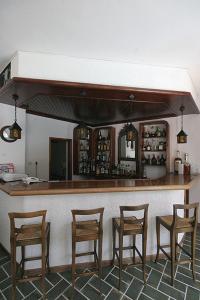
(43, 268)
(144, 246)
(172, 245)
(114, 241)
(176, 247)
(100, 259)
(95, 251)
(73, 264)
(193, 245)
(120, 257)
(48, 243)
(134, 237)
(13, 269)
(158, 238)
(23, 260)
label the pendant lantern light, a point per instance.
(82, 131)
(15, 129)
(182, 136)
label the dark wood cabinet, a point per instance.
(104, 150)
(82, 150)
(154, 149)
(93, 151)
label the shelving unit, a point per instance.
(82, 150)
(104, 150)
(154, 148)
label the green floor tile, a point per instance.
(25, 288)
(91, 293)
(154, 278)
(34, 296)
(77, 294)
(114, 295)
(144, 297)
(126, 277)
(3, 275)
(8, 294)
(177, 284)
(153, 293)
(134, 289)
(171, 291)
(53, 278)
(57, 290)
(105, 288)
(113, 281)
(192, 294)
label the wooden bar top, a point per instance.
(168, 182)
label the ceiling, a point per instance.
(161, 33)
(94, 104)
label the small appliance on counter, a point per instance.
(8, 177)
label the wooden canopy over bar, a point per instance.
(169, 182)
(94, 104)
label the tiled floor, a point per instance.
(158, 283)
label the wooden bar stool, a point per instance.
(176, 225)
(130, 226)
(27, 235)
(88, 230)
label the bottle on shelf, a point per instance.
(154, 160)
(177, 162)
(100, 136)
(148, 148)
(162, 160)
(187, 166)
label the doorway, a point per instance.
(60, 159)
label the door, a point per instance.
(60, 160)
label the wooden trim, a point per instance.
(69, 145)
(98, 86)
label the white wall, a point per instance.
(13, 152)
(39, 130)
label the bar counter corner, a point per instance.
(59, 198)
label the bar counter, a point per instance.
(59, 198)
(169, 182)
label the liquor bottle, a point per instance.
(154, 160)
(162, 160)
(177, 162)
(100, 136)
(186, 165)
(148, 147)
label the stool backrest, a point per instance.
(27, 229)
(88, 212)
(134, 219)
(188, 209)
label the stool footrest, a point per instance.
(85, 273)
(168, 256)
(28, 278)
(186, 252)
(85, 253)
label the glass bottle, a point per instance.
(154, 160)
(177, 162)
(186, 165)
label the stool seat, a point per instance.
(87, 230)
(131, 224)
(31, 233)
(181, 222)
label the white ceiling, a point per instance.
(153, 32)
